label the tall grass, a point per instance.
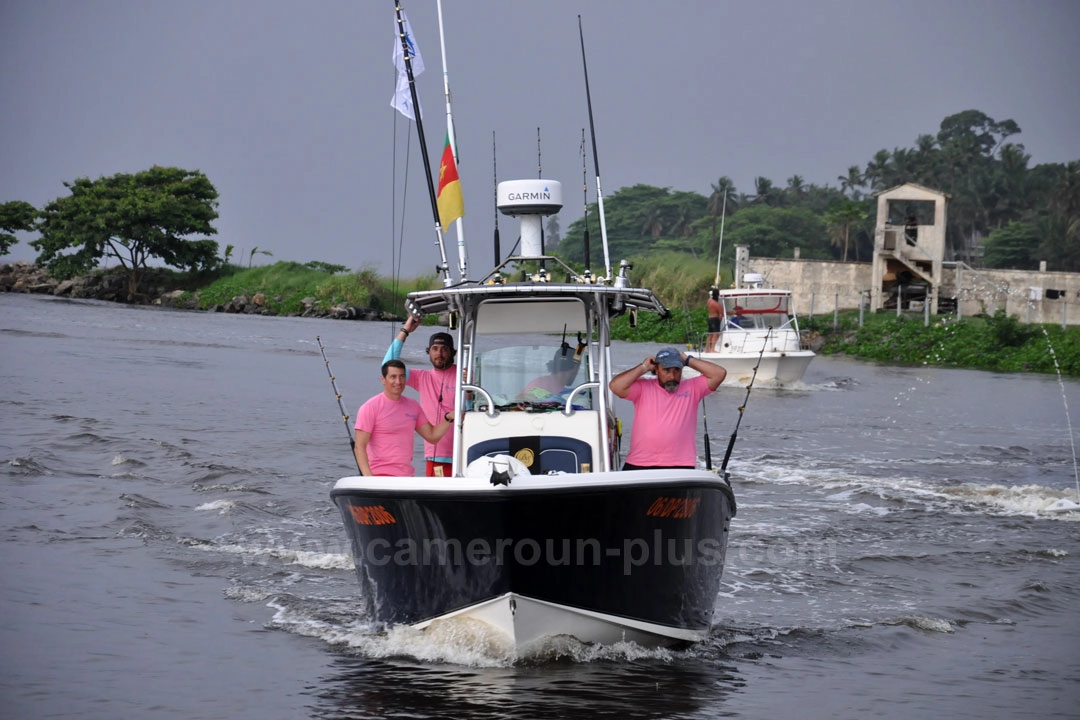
(285, 286)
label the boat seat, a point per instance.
(555, 453)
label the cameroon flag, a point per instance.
(451, 204)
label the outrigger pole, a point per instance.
(463, 261)
(596, 159)
(719, 251)
(443, 268)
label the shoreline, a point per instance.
(111, 286)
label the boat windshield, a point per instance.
(758, 311)
(530, 377)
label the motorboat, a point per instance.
(758, 331)
(538, 534)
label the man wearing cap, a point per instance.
(562, 369)
(436, 388)
(665, 411)
(385, 424)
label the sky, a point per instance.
(285, 105)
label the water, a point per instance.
(170, 549)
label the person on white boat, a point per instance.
(712, 305)
(665, 410)
(385, 424)
(562, 369)
(436, 389)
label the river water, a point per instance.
(170, 549)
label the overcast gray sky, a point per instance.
(285, 104)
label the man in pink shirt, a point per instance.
(385, 424)
(665, 411)
(436, 388)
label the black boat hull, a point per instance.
(642, 551)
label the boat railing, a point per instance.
(583, 387)
(491, 411)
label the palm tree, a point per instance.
(765, 193)
(852, 182)
(256, 251)
(796, 188)
(876, 171)
(840, 218)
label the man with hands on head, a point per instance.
(664, 434)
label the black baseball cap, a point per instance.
(441, 338)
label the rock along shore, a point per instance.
(111, 286)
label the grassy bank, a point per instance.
(286, 285)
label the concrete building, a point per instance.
(908, 272)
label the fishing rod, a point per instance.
(341, 406)
(596, 158)
(495, 197)
(585, 202)
(543, 252)
(742, 408)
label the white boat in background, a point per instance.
(758, 328)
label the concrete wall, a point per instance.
(820, 286)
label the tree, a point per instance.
(552, 232)
(841, 217)
(852, 181)
(131, 218)
(1012, 247)
(765, 193)
(15, 216)
(256, 251)
(776, 232)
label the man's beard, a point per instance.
(671, 385)
(440, 363)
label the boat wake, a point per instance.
(885, 495)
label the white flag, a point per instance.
(416, 61)
(402, 100)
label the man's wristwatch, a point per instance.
(686, 362)
(448, 417)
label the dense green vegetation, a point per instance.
(1001, 213)
(1001, 342)
(285, 285)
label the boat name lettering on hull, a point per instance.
(670, 507)
(372, 515)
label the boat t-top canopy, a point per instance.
(465, 298)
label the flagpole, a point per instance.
(463, 261)
(443, 268)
